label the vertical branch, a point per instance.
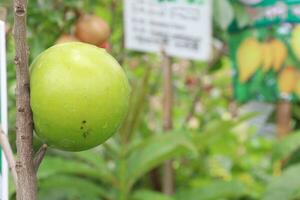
(168, 172)
(27, 183)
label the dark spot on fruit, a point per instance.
(81, 127)
(86, 133)
(84, 122)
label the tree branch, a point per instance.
(9, 155)
(39, 155)
(27, 181)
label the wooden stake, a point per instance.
(168, 171)
(284, 115)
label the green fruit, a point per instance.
(79, 96)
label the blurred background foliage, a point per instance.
(217, 154)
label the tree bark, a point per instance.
(27, 181)
(168, 171)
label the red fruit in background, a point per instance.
(92, 29)
(191, 81)
(106, 46)
(66, 38)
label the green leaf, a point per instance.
(55, 165)
(286, 146)
(61, 187)
(214, 190)
(149, 195)
(212, 132)
(216, 129)
(286, 186)
(154, 151)
(92, 157)
(223, 13)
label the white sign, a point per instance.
(182, 28)
(3, 113)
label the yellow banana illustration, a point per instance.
(287, 80)
(267, 59)
(279, 52)
(297, 87)
(249, 58)
(295, 41)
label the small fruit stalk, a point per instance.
(287, 80)
(249, 58)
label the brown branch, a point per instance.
(9, 155)
(39, 155)
(27, 181)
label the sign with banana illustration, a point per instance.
(266, 54)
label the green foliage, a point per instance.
(215, 190)
(97, 172)
(154, 151)
(51, 188)
(285, 186)
(149, 195)
(287, 146)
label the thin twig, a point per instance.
(9, 155)
(39, 155)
